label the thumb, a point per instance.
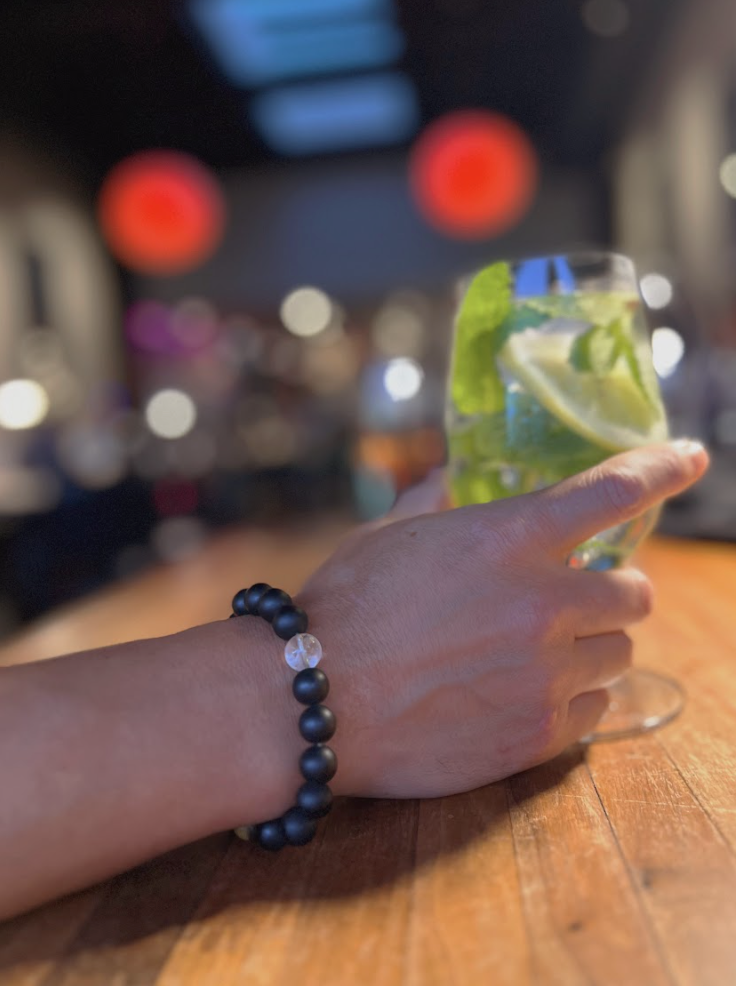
(615, 491)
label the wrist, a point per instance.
(259, 738)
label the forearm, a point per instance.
(137, 748)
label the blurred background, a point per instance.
(230, 242)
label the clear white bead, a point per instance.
(303, 651)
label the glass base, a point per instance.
(639, 702)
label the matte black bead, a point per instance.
(253, 595)
(271, 602)
(310, 686)
(317, 724)
(290, 620)
(298, 826)
(314, 798)
(240, 606)
(271, 835)
(318, 763)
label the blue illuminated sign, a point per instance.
(533, 277)
(260, 42)
(339, 114)
(266, 57)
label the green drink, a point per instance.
(551, 373)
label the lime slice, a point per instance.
(609, 410)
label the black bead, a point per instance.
(290, 620)
(317, 724)
(271, 835)
(240, 606)
(310, 686)
(318, 763)
(314, 798)
(298, 826)
(271, 602)
(253, 595)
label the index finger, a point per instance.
(613, 492)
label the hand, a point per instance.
(460, 646)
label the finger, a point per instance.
(579, 719)
(606, 601)
(426, 497)
(429, 496)
(613, 492)
(583, 715)
(601, 660)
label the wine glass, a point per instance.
(551, 373)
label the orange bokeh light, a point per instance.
(161, 212)
(473, 173)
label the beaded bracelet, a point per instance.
(317, 723)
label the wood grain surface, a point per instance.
(614, 865)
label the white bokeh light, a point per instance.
(727, 175)
(23, 404)
(306, 312)
(403, 379)
(668, 348)
(171, 413)
(656, 290)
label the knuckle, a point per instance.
(489, 532)
(624, 489)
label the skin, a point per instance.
(460, 649)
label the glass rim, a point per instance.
(575, 265)
(581, 255)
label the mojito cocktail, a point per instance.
(551, 373)
(549, 376)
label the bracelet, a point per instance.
(317, 723)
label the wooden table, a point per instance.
(614, 867)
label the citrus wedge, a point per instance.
(611, 411)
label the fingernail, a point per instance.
(689, 447)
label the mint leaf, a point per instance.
(596, 350)
(599, 349)
(476, 387)
(628, 351)
(623, 329)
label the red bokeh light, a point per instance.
(473, 174)
(161, 212)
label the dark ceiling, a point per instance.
(105, 77)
